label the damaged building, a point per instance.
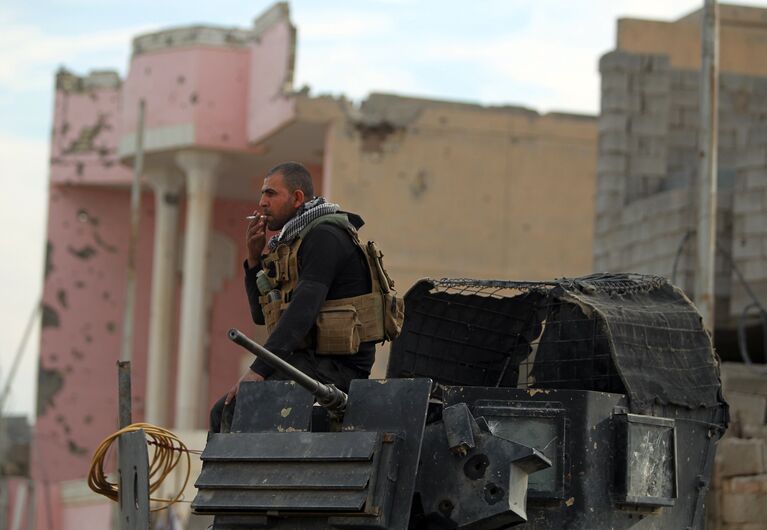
(646, 209)
(649, 159)
(446, 188)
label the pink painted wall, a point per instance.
(204, 87)
(80, 342)
(91, 119)
(271, 60)
(84, 297)
(230, 306)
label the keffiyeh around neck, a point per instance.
(308, 212)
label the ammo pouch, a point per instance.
(394, 315)
(338, 330)
(393, 306)
(272, 310)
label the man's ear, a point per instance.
(298, 198)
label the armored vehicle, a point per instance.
(592, 402)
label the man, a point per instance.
(315, 272)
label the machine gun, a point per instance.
(326, 395)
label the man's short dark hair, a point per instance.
(296, 176)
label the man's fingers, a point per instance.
(232, 393)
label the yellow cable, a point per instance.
(166, 456)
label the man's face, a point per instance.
(277, 203)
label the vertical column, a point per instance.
(167, 186)
(201, 176)
(707, 180)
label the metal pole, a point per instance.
(124, 393)
(707, 181)
(135, 214)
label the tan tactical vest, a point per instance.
(341, 324)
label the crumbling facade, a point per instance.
(447, 189)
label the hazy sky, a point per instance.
(541, 54)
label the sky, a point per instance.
(541, 54)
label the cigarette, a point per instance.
(251, 217)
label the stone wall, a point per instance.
(738, 499)
(749, 249)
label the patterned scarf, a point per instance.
(307, 212)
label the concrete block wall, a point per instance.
(648, 167)
(749, 248)
(738, 499)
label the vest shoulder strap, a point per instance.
(338, 219)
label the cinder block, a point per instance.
(755, 431)
(648, 145)
(744, 507)
(736, 82)
(620, 101)
(690, 118)
(686, 78)
(754, 157)
(752, 180)
(620, 61)
(654, 105)
(611, 181)
(727, 141)
(739, 377)
(736, 456)
(651, 166)
(654, 62)
(611, 163)
(647, 125)
(614, 142)
(755, 223)
(687, 98)
(616, 80)
(749, 202)
(750, 409)
(752, 269)
(757, 135)
(749, 484)
(612, 122)
(742, 526)
(655, 82)
(682, 138)
(747, 247)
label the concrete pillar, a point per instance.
(167, 185)
(201, 176)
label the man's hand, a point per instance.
(255, 239)
(250, 375)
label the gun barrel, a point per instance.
(327, 395)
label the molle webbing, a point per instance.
(281, 266)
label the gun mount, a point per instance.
(539, 405)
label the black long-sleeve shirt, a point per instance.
(330, 267)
